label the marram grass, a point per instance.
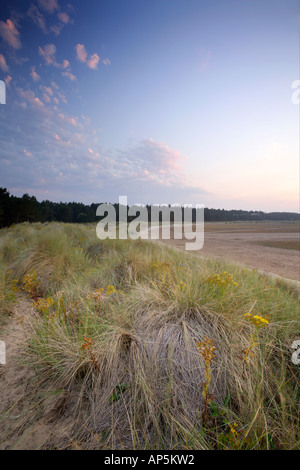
(113, 344)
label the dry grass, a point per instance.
(139, 386)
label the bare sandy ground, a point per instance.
(25, 424)
(241, 243)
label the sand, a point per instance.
(241, 243)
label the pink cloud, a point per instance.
(29, 96)
(47, 90)
(48, 53)
(161, 153)
(62, 142)
(37, 17)
(156, 160)
(62, 98)
(46, 98)
(93, 156)
(10, 34)
(3, 64)
(49, 5)
(65, 64)
(7, 80)
(64, 17)
(93, 61)
(69, 75)
(106, 62)
(73, 121)
(81, 52)
(34, 75)
(80, 137)
(37, 101)
(82, 56)
(56, 29)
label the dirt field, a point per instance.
(265, 246)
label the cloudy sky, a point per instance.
(164, 101)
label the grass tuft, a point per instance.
(113, 344)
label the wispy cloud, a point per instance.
(151, 160)
(69, 74)
(46, 98)
(64, 154)
(30, 97)
(93, 61)
(7, 80)
(71, 120)
(10, 34)
(49, 5)
(34, 75)
(65, 64)
(62, 97)
(56, 29)
(81, 52)
(37, 17)
(48, 54)
(82, 56)
(54, 85)
(47, 93)
(64, 17)
(3, 64)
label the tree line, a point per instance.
(14, 210)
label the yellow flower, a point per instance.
(247, 315)
(232, 428)
(223, 279)
(181, 286)
(260, 320)
(43, 305)
(110, 290)
(256, 320)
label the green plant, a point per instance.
(259, 322)
(206, 348)
(117, 392)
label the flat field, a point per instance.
(272, 247)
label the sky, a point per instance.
(162, 101)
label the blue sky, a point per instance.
(164, 101)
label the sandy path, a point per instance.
(16, 387)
